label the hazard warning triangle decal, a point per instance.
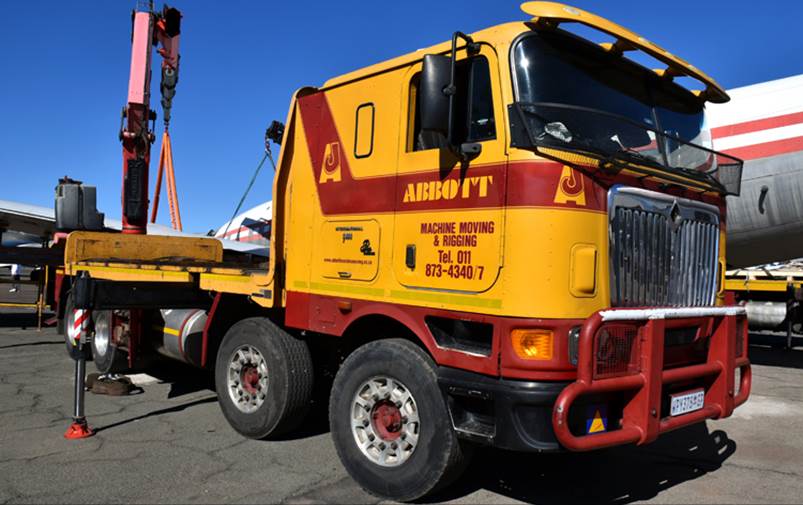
(598, 422)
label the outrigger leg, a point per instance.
(79, 427)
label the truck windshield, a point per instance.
(574, 95)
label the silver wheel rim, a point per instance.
(384, 438)
(102, 334)
(247, 379)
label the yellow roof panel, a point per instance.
(551, 14)
(504, 32)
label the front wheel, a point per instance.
(264, 378)
(390, 423)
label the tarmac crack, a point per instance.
(310, 487)
(763, 469)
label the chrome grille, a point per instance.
(663, 250)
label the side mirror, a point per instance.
(469, 150)
(435, 76)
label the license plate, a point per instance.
(687, 402)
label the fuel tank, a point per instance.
(179, 334)
(762, 315)
(763, 125)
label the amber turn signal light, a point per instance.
(535, 344)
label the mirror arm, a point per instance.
(451, 90)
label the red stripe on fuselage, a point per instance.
(261, 229)
(253, 238)
(757, 125)
(767, 149)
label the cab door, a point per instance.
(450, 215)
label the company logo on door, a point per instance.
(450, 189)
(330, 167)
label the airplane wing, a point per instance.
(23, 223)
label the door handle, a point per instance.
(409, 256)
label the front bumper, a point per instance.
(548, 416)
(509, 414)
(643, 417)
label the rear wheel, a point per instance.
(390, 423)
(108, 357)
(76, 326)
(264, 378)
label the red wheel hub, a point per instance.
(387, 420)
(250, 379)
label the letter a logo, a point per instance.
(330, 168)
(570, 188)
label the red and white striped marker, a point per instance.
(76, 332)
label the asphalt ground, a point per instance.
(26, 293)
(170, 444)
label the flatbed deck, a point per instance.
(153, 258)
(757, 279)
(177, 265)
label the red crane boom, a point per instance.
(149, 29)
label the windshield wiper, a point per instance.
(628, 154)
(705, 175)
(615, 141)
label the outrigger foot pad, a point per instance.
(79, 429)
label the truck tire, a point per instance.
(390, 423)
(264, 378)
(108, 357)
(68, 332)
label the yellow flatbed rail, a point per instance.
(759, 280)
(776, 285)
(154, 258)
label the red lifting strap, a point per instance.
(166, 167)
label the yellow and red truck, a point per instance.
(513, 238)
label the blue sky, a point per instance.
(65, 76)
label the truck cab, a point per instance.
(562, 181)
(513, 238)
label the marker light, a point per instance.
(534, 344)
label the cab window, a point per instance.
(474, 113)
